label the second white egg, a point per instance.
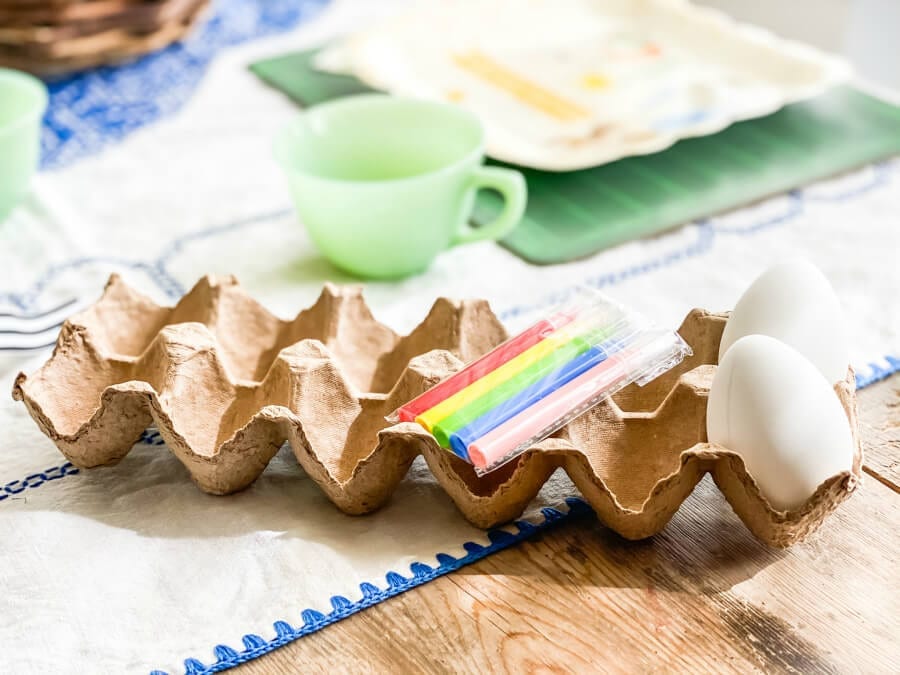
(773, 407)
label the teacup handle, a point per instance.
(511, 185)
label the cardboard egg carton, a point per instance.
(226, 383)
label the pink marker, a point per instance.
(567, 402)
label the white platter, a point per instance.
(569, 84)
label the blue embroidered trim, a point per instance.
(151, 436)
(96, 108)
(706, 237)
(703, 243)
(156, 269)
(706, 232)
(35, 480)
(256, 646)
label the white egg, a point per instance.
(793, 302)
(773, 407)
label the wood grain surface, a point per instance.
(702, 596)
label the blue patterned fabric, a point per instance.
(90, 110)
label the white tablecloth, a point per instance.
(132, 568)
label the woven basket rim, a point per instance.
(107, 46)
(137, 19)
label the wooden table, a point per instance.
(702, 596)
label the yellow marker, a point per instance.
(455, 95)
(496, 377)
(526, 91)
(594, 81)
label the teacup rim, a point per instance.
(359, 99)
(36, 86)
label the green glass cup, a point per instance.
(23, 100)
(384, 184)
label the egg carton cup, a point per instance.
(226, 383)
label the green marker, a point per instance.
(511, 387)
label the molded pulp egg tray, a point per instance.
(226, 383)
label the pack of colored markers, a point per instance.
(535, 383)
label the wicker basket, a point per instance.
(50, 37)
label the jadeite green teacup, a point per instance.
(23, 99)
(384, 184)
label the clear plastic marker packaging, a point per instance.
(533, 384)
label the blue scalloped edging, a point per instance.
(256, 646)
(98, 107)
(878, 371)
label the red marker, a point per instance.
(486, 364)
